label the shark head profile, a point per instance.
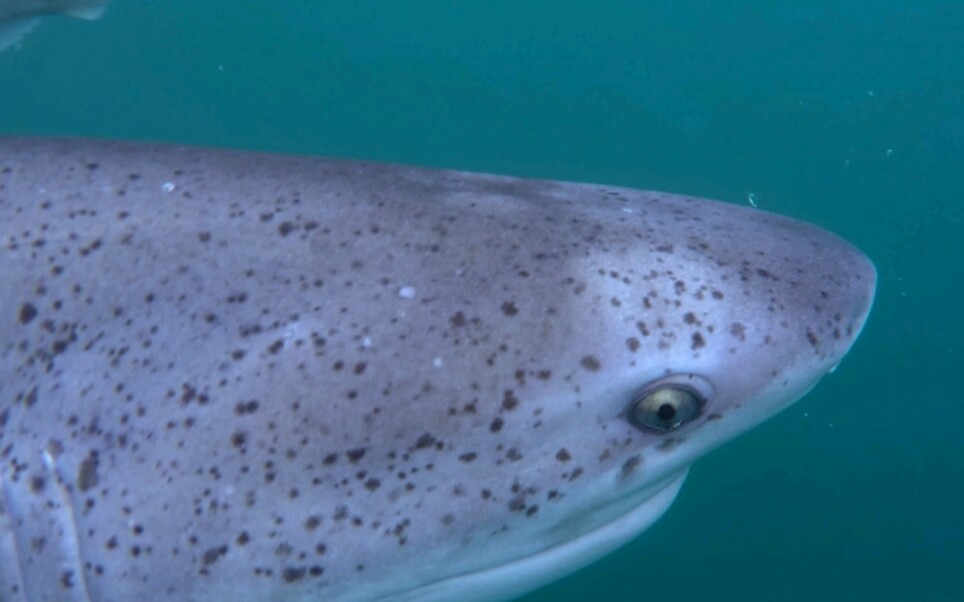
(231, 376)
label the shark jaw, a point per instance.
(525, 574)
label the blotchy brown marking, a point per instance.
(87, 472)
(27, 313)
(698, 341)
(630, 466)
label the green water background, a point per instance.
(846, 114)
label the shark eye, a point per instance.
(665, 409)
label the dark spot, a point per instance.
(689, 317)
(27, 313)
(698, 341)
(738, 330)
(517, 503)
(426, 440)
(238, 439)
(204, 237)
(372, 484)
(212, 555)
(246, 407)
(313, 522)
(630, 466)
(354, 455)
(87, 472)
(563, 455)
(467, 457)
(812, 338)
(30, 398)
(496, 425)
(285, 228)
(632, 343)
(509, 401)
(590, 363)
(509, 308)
(292, 574)
(513, 455)
(457, 320)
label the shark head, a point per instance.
(684, 324)
(237, 376)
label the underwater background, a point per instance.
(848, 114)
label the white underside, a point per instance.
(516, 578)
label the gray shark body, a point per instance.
(232, 376)
(19, 17)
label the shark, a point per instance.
(228, 375)
(20, 17)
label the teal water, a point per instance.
(846, 114)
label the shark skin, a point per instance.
(238, 376)
(20, 17)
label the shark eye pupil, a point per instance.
(666, 412)
(665, 408)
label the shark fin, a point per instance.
(12, 33)
(89, 13)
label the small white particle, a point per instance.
(437, 362)
(806, 414)
(406, 292)
(366, 342)
(167, 186)
(890, 152)
(751, 199)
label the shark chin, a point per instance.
(522, 575)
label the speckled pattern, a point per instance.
(258, 377)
